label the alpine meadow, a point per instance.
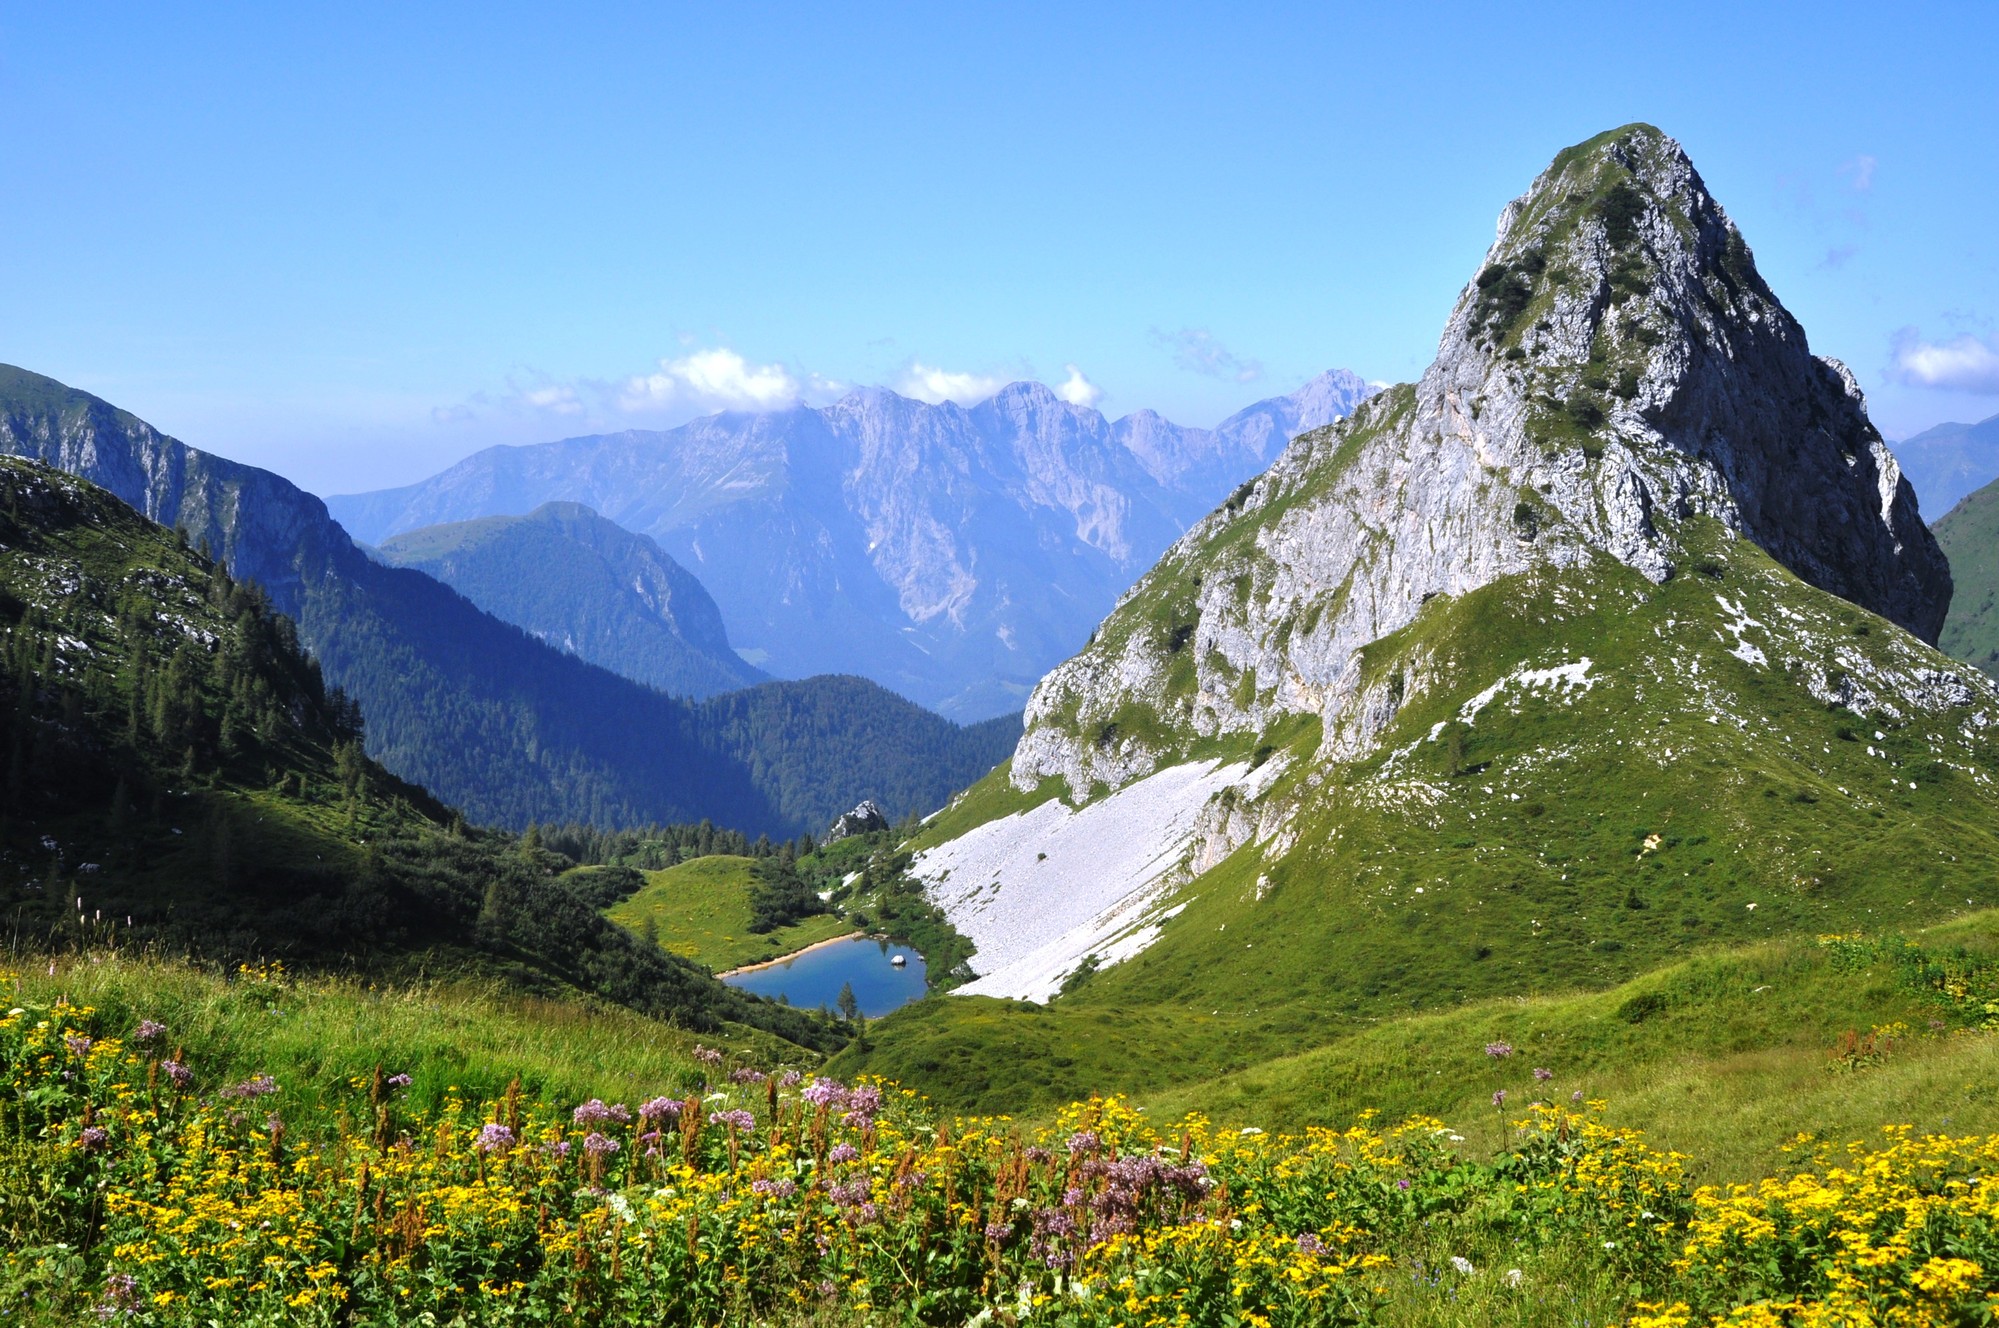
(739, 847)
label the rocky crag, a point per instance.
(1617, 372)
(1608, 640)
(952, 554)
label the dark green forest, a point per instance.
(180, 777)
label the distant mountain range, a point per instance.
(491, 719)
(1948, 461)
(952, 554)
(1969, 534)
(589, 587)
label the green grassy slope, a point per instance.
(700, 910)
(174, 764)
(1969, 533)
(1562, 838)
(316, 1034)
(1728, 1054)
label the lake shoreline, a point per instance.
(787, 958)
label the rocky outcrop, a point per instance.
(866, 818)
(1617, 381)
(953, 554)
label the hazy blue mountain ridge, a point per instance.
(1947, 461)
(953, 554)
(485, 715)
(589, 587)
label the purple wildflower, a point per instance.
(659, 1109)
(707, 1055)
(78, 1044)
(1576, 1096)
(843, 1153)
(399, 1081)
(147, 1030)
(598, 1145)
(1499, 1098)
(1085, 1141)
(778, 1189)
(93, 1138)
(788, 1078)
(740, 1120)
(997, 1231)
(178, 1074)
(558, 1148)
(849, 1193)
(745, 1075)
(258, 1085)
(862, 1104)
(1499, 1051)
(1309, 1243)
(825, 1093)
(596, 1112)
(121, 1296)
(494, 1138)
(1542, 1074)
(1402, 1184)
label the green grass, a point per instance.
(1726, 1055)
(1507, 858)
(701, 910)
(315, 1034)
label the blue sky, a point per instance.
(354, 243)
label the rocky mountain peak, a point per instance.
(1619, 350)
(1616, 381)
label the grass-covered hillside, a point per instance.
(703, 909)
(177, 775)
(181, 1148)
(1599, 777)
(1969, 533)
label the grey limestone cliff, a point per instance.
(1616, 378)
(951, 553)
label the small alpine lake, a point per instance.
(813, 977)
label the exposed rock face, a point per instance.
(1617, 379)
(866, 818)
(951, 554)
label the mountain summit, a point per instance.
(951, 553)
(1607, 640)
(1616, 377)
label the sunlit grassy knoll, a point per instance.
(701, 910)
(316, 1034)
(1727, 1056)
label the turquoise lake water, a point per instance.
(814, 978)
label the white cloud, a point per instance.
(1196, 350)
(555, 398)
(1078, 390)
(1963, 364)
(713, 379)
(936, 386)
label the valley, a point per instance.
(1516, 846)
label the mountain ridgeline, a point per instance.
(489, 718)
(178, 774)
(588, 587)
(1607, 641)
(951, 554)
(1969, 534)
